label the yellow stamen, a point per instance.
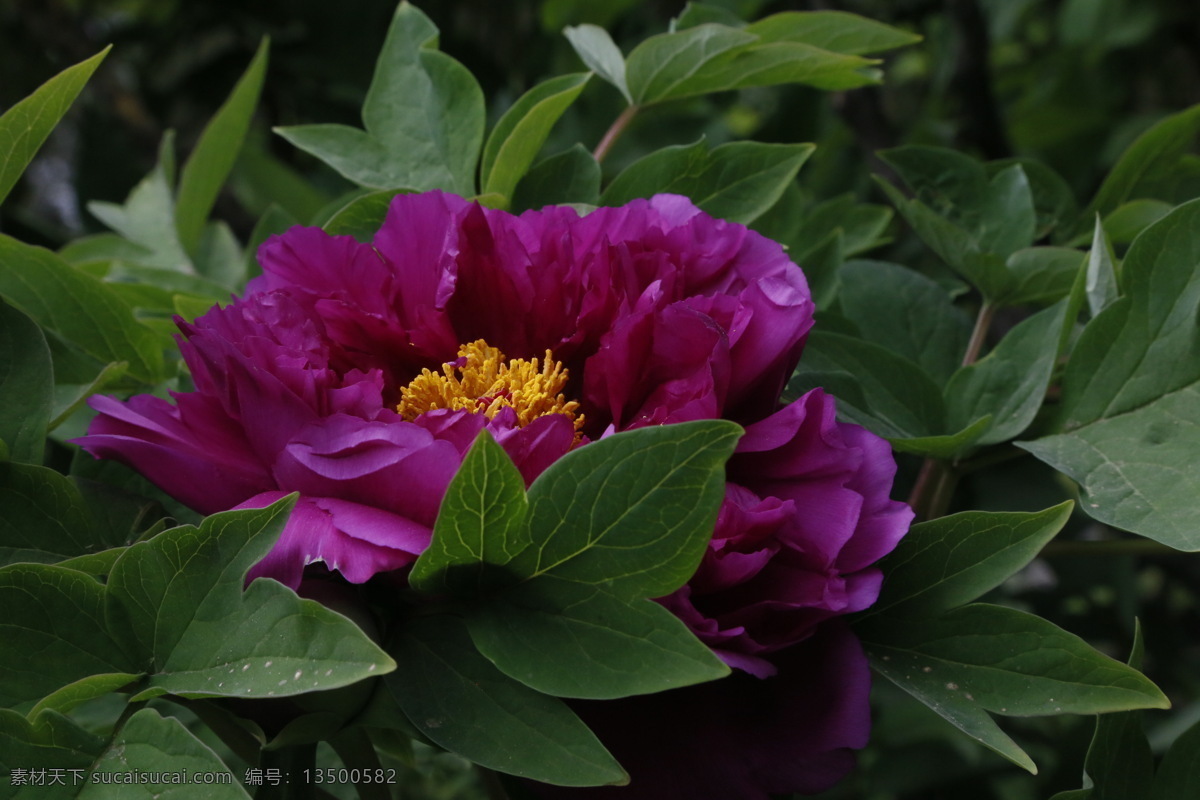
(485, 384)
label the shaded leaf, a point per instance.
(26, 384)
(150, 743)
(572, 640)
(1131, 392)
(459, 700)
(571, 176)
(79, 308)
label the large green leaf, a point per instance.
(26, 125)
(968, 717)
(46, 518)
(459, 700)
(423, 118)
(520, 133)
(953, 560)
(214, 155)
(632, 512)
(900, 309)
(786, 48)
(362, 216)
(572, 640)
(1008, 662)
(54, 631)
(737, 181)
(481, 523)
(177, 601)
(77, 307)
(1131, 392)
(875, 387)
(26, 384)
(836, 31)
(150, 743)
(51, 742)
(1154, 154)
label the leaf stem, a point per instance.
(983, 321)
(614, 132)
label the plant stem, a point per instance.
(614, 132)
(983, 321)
(357, 752)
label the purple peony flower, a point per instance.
(359, 374)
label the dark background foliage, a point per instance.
(1069, 82)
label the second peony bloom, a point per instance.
(359, 374)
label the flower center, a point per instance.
(481, 382)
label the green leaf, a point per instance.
(481, 523)
(1101, 272)
(900, 309)
(520, 133)
(458, 699)
(215, 154)
(81, 691)
(147, 219)
(875, 387)
(77, 307)
(966, 716)
(573, 640)
(1119, 760)
(150, 743)
(944, 446)
(1006, 661)
(1153, 154)
(26, 125)
(953, 560)
(68, 402)
(363, 216)
(1053, 199)
(177, 601)
(1126, 221)
(571, 176)
(715, 58)
(57, 614)
(423, 118)
(26, 384)
(1131, 392)
(1007, 215)
(600, 54)
(46, 518)
(1042, 275)
(737, 181)
(53, 741)
(1009, 383)
(632, 512)
(1179, 773)
(836, 31)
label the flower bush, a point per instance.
(359, 375)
